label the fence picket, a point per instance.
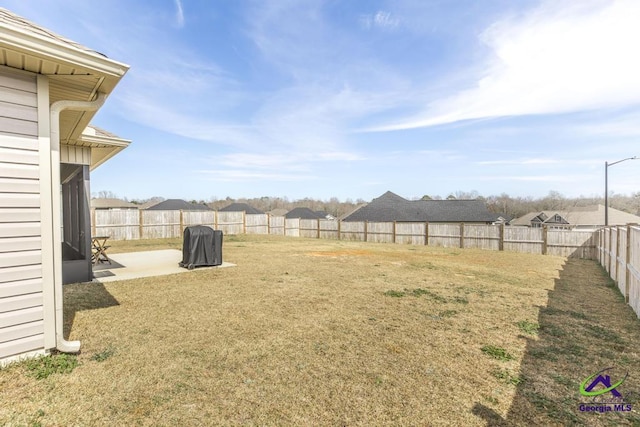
(121, 225)
(618, 252)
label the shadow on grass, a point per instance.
(84, 296)
(104, 269)
(585, 327)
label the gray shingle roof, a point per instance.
(8, 18)
(147, 205)
(391, 207)
(302, 213)
(278, 212)
(456, 211)
(580, 216)
(107, 203)
(241, 207)
(177, 205)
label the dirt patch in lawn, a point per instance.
(375, 334)
(341, 253)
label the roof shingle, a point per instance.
(107, 203)
(391, 207)
(303, 213)
(241, 207)
(8, 18)
(592, 216)
(177, 205)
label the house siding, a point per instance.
(75, 155)
(21, 296)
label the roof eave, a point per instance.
(61, 59)
(103, 147)
(97, 140)
(55, 51)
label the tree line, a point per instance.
(513, 206)
(516, 206)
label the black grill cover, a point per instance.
(202, 246)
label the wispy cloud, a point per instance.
(621, 125)
(179, 13)
(275, 166)
(537, 178)
(305, 116)
(560, 57)
(535, 161)
(276, 91)
(381, 19)
(231, 175)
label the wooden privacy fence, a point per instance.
(134, 224)
(619, 253)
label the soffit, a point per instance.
(75, 72)
(76, 88)
(104, 145)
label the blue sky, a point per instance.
(346, 98)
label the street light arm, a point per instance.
(623, 160)
(606, 186)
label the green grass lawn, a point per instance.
(320, 332)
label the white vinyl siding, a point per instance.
(75, 154)
(18, 103)
(21, 297)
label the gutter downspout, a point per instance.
(54, 111)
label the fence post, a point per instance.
(215, 220)
(601, 247)
(181, 223)
(339, 229)
(609, 252)
(627, 261)
(501, 238)
(318, 232)
(268, 224)
(462, 235)
(426, 233)
(615, 279)
(141, 222)
(393, 235)
(244, 222)
(365, 230)
(545, 235)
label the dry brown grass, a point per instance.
(317, 332)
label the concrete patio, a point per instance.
(133, 265)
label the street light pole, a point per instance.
(606, 186)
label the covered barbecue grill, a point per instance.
(202, 246)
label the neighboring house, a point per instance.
(148, 204)
(303, 213)
(50, 89)
(348, 214)
(581, 218)
(242, 207)
(178, 205)
(391, 207)
(324, 215)
(550, 219)
(112, 204)
(278, 212)
(501, 218)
